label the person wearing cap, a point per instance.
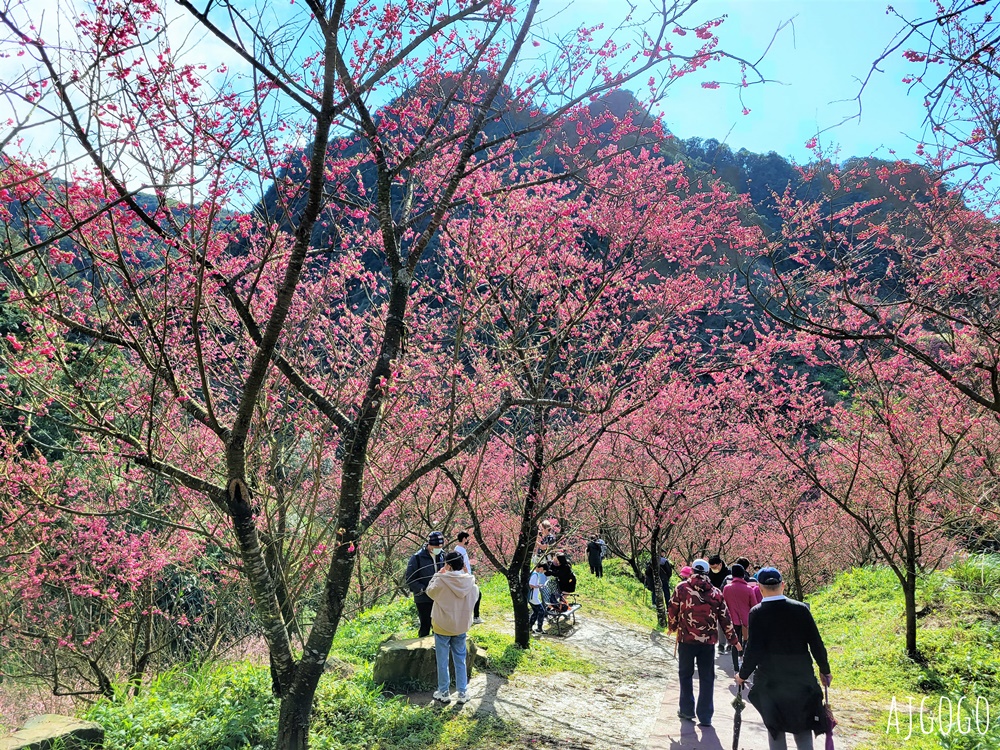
(454, 593)
(783, 634)
(740, 597)
(696, 611)
(684, 572)
(422, 566)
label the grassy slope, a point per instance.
(228, 706)
(861, 618)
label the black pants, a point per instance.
(475, 611)
(737, 654)
(424, 613)
(597, 568)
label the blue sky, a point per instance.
(816, 61)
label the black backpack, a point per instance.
(570, 585)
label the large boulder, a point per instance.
(410, 663)
(54, 731)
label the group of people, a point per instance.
(552, 578)
(447, 599)
(777, 637)
(714, 606)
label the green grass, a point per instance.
(229, 706)
(861, 618)
(617, 597)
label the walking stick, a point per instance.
(739, 704)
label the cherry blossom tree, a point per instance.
(665, 468)
(885, 461)
(627, 251)
(95, 595)
(372, 127)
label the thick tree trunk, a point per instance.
(910, 601)
(519, 599)
(293, 722)
(910, 593)
(519, 571)
(796, 575)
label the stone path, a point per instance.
(672, 733)
(629, 703)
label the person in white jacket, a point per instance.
(454, 593)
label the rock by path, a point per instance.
(629, 703)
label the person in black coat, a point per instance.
(420, 569)
(561, 570)
(595, 553)
(782, 635)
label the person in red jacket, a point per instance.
(697, 611)
(740, 598)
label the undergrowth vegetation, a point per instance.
(229, 706)
(861, 618)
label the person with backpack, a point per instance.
(454, 593)
(420, 569)
(696, 612)
(595, 557)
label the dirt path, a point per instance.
(629, 703)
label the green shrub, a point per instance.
(358, 640)
(978, 576)
(219, 708)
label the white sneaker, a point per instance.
(443, 697)
(463, 698)
(477, 621)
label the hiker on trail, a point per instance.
(747, 567)
(696, 611)
(419, 570)
(740, 599)
(666, 569)
(454, 593)
(785, 692)
(717, 574)
(462, 549)
(595, 557)
(536, 598)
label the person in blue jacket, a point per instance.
(420, 569)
